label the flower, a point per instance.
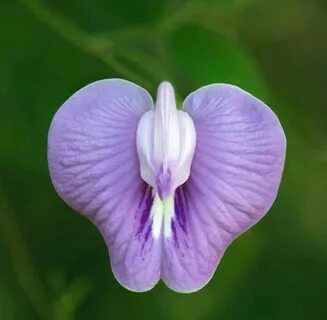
(168, 189)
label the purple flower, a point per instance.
(168, 189)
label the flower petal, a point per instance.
(94, 167)
(235, 175)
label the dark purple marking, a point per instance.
(180, 210)
(146, 212)
(186, 244)
(146, 236)
(185, 194)
(144, 190)
(173, 228)
(148, 232)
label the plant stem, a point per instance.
(82, 39)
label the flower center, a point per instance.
(165, 144)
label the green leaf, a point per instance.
(204, 57)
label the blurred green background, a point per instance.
(53, 262)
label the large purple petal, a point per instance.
(235, 175)
(94, 167)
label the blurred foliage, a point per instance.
(53, 263)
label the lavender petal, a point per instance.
(94, 167)
(235, 176)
